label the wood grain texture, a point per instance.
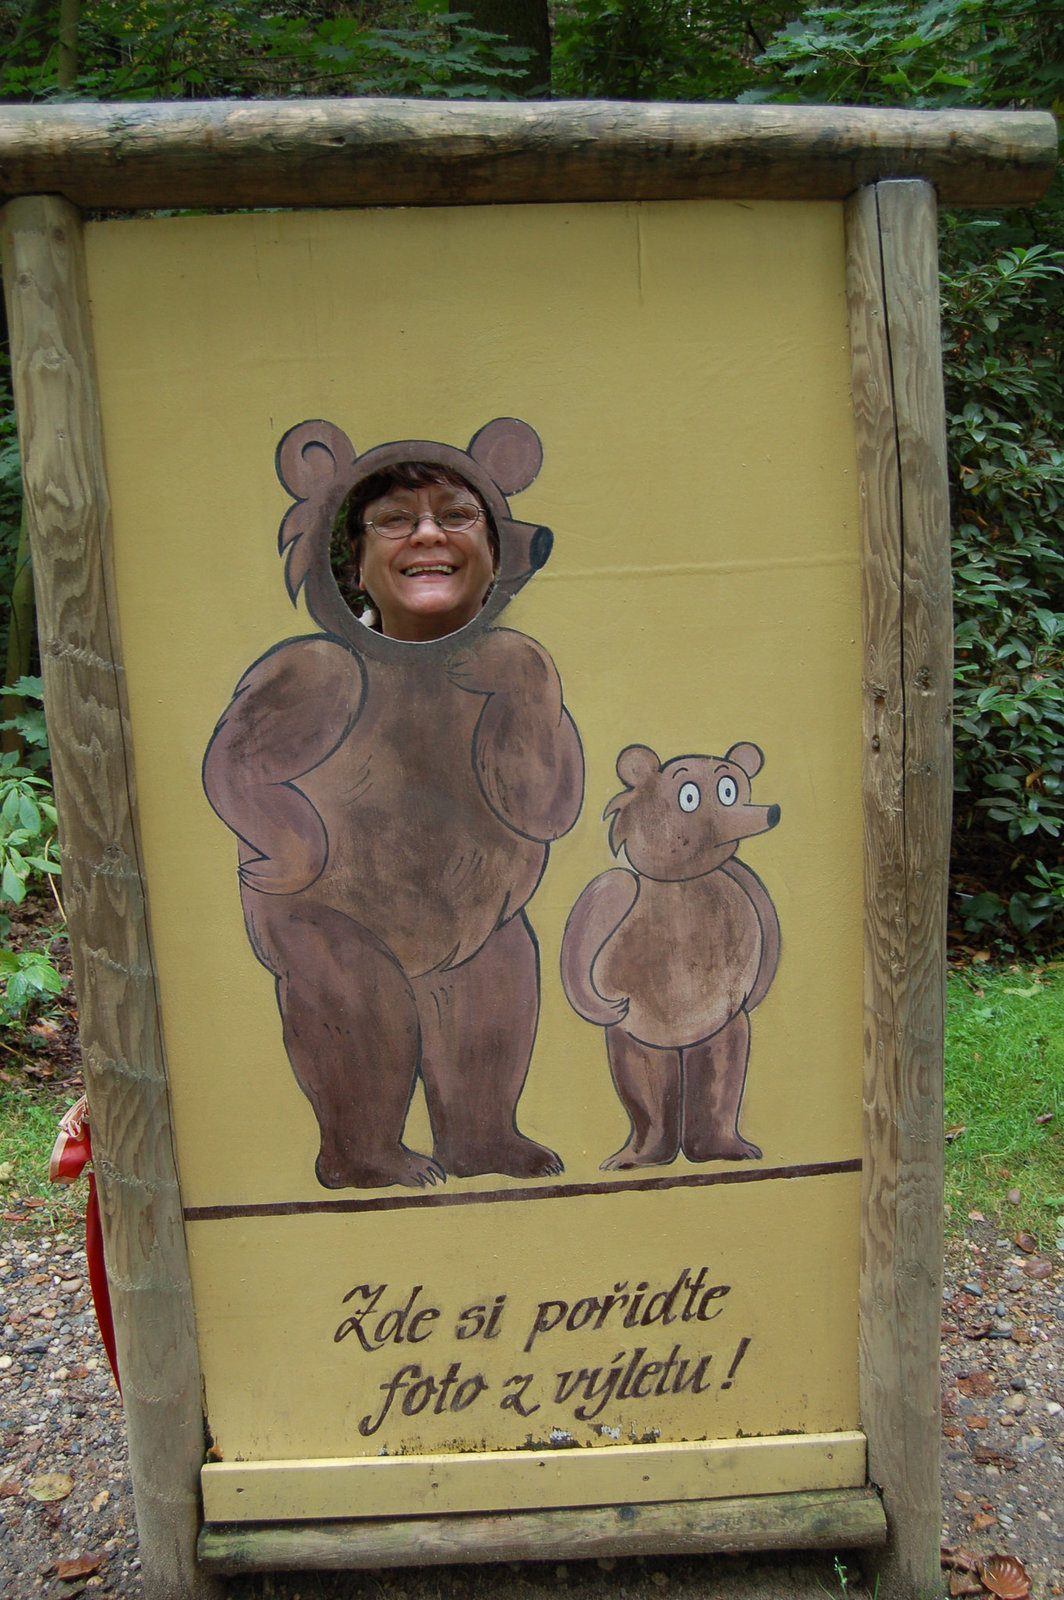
(418, 152)
(827, 1519)
(899, 407)
(69, 513)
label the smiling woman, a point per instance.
(425, 549)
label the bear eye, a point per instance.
(727, 791)
(690, 797)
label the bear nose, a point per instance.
(773, 816)
(539, 549)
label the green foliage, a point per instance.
(27, 828)
(941, 53)
(1005, 400)
(28, 976)
(1004, 1095)
(223, 49)
(660, 49)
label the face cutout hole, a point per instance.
(402, 576)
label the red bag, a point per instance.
(71, 1154)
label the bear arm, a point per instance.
(596, 916)
(526, 750)
(265, 741)
(751, 884)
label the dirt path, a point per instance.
(62, 1433)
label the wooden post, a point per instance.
(900, 414)
(69, 513)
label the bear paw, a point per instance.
(344, 1171)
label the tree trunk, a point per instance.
(525, 23)
(19, 636)
(68, 42)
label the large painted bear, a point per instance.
(394, 804)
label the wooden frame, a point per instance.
(306, 153)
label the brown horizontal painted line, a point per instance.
(550, 1191)
(357, 152)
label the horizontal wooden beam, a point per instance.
(826, 1519)
(424, 152)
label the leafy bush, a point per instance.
(1005, 400)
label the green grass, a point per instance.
(29, 1121)
(1004, 1072)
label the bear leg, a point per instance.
(478, 1025)
(714, 1077)
(351, 1032)
(648, 1083)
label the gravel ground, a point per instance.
(66, 1508)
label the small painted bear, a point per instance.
(672, 956)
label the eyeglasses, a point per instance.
(401, 524)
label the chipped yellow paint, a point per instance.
(493, 1481)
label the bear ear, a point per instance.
(636, 763)
(312, 456)
(509, 451)
(748, 757)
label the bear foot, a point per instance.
(731, 1147)
(514, 1156)
(399, 1166)
(636, 1155)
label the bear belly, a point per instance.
(416, 855)
(686, 956)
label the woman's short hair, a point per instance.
(407, 475)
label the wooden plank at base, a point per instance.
(822, 1519)
(512, 1480)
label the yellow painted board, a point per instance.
(499, 1481)
(686, 367)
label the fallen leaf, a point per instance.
(1014, 1197)
(33, 1205)
(976, 1423)
(15, 1216)
(7, 1170)
(964, 1583)
(1021, 1336)
(976, 1216)
(976, 1383)
(51, 1486)
(1005, 1576)
(1047, 1116)
(955, 1133)
(1037, 1267)
(995, 1458)
(101, 1499)
(957, 1557)
(8, 1488)
(1026, 994)
(953, 1431)
(981, 1520)
(1026, 1242)
(79, 1567)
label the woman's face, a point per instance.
(433, 581)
